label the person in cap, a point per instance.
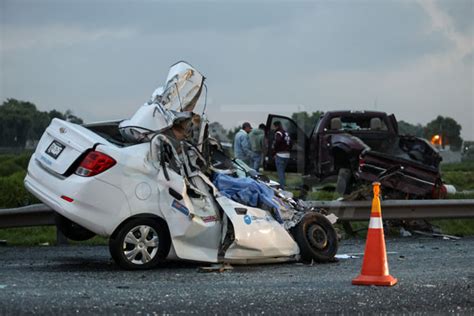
(242, 148)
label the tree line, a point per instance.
(21, 121)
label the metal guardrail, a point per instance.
(42, 215)
(32, 215)
(400, 209)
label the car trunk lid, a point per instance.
(63, 143)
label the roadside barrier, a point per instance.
(42, 215)
(375, 264)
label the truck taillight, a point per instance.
(439, 191)
(94, 163)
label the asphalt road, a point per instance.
(435, 276)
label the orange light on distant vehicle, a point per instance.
(437, 140)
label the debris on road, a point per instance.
(404, 232)
(346, 256)
(220, 267)
(444, 236)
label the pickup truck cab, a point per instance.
(355, 147)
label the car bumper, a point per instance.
(96, 205)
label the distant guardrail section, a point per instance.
(42, 215)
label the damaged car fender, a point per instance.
(257, 234)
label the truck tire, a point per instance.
(72, 230)
(316, 238)
(343, 185)
(141, 243)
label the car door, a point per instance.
(299, 140)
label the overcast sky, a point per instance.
(103, 59)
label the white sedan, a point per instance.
(154, 198)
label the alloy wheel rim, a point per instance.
(140, 244)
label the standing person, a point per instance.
(256, 137)
(281, 151)
(242, 149)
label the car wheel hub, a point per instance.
(140, 245)
(317, 237)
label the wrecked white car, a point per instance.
(160, 188)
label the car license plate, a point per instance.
(55, 149)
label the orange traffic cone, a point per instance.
(375, 265)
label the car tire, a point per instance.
(72, 230)
(343, 184)
(141, 243)
(316, 238)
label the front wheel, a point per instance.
(140, 244)
(316, 238)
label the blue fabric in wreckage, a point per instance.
(247, 191)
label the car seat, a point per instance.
(336, 123)
(375, 124)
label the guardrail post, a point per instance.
(61, 240)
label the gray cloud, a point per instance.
(104, 58)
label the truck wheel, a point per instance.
(140, 244)
(72, 230)
(343, 181)
(316, 238)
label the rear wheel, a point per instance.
(72, 230)
(140, 244)
(316, 238)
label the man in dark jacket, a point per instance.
(281, 151)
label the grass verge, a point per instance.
(40, 236)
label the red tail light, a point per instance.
(94, 163)
(439, 191)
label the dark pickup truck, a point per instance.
(354, 148)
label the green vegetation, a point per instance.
(457, 227)
(405, 128)
(10, 164)
(20, 121)
(461, 175)
(13, 194)
(461, 196)
(462, 180)
(29, 235)
(12, 173)
(458, 166)
(306, 121)
(44, 235)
